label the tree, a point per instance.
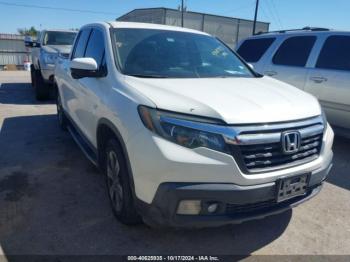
(31, 31)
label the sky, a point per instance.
(282, 14)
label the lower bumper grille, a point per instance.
(249, 209)
(242, 209)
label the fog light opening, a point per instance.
(189, 207)
(212, 208)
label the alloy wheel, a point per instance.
(115, 188)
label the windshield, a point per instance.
(59, 38)
(162, 53)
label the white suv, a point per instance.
(185, 132)
(316, 60)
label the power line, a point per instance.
(56, 8)
(272, 15)
(269, 13)
(277, 14)
(266, 14)
(245, 6)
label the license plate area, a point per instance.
(290, 187)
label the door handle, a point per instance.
(270, 73)
(318, 79)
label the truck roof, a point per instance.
(59, 30)
(116, 24)
(302, 31)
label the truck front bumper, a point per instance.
(235, 204)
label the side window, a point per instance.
(80, 44)
(335, 53)
(253, 49)
(38, 37)
(95, 48)
(45, 38)
(294, 51)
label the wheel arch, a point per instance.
(105, 130)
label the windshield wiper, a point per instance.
(147, 76)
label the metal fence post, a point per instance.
(237, 32)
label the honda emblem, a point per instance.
(291, 142)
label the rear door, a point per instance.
(289, 63)
(329, 80)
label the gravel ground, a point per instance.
(53, 201)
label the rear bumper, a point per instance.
(237, 204)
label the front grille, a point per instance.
(258, 155)
(271, 155)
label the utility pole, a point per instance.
(255, 16)
(182, 13)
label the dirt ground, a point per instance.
(53, 201)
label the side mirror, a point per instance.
(31, 44)
(84, 67)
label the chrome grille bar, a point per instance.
(267, 138)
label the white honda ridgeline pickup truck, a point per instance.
(185, 131)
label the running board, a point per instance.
(84, 146)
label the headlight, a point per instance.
(324, 117)
(182, 129)
(50, 58)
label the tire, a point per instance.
(61, 116)
(118, 185)
(42, 91)
(32, 75)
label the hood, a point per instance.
(233, 100)
(63, 49)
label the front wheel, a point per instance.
(32, 75)
(61, 117)
(42, 91)
(119, 189)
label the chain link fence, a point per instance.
(228, 29)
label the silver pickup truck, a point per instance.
(49, 45)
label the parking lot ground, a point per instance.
(53, 201)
